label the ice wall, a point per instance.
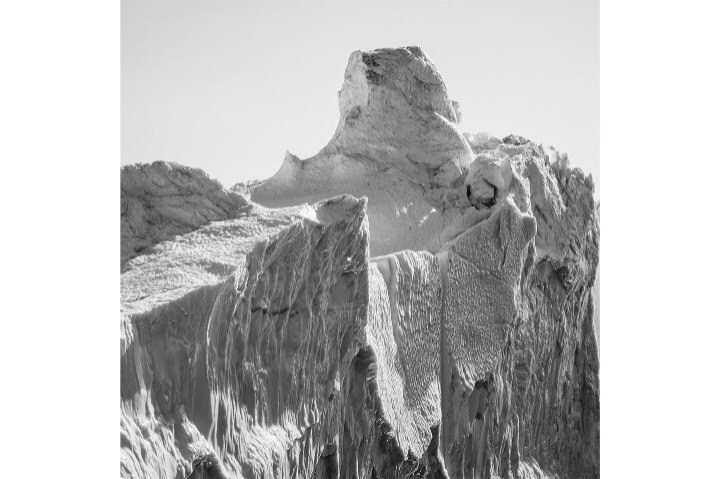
(410, 302)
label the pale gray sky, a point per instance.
(229, 86)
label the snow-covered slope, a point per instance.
(412, 301)
(162, 200)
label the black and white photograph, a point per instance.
(339, 262)
(360, 240)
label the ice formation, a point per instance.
(412, 301)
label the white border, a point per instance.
(59, 118)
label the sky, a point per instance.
(230, 86)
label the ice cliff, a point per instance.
(412, 301)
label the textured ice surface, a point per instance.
(412, 301)
(405, 333)
(162, 200)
